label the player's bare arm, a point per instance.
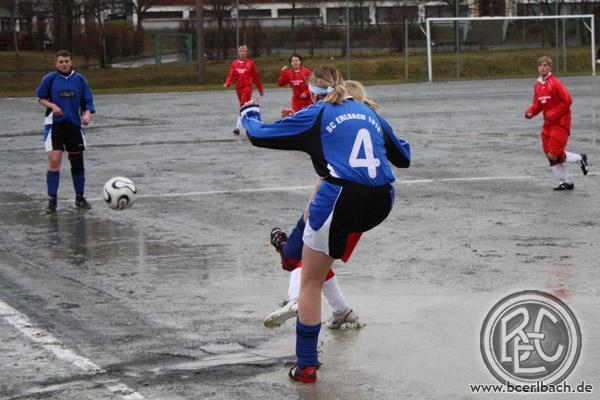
(86, 118)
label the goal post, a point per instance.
(176, 44)
(507, 20)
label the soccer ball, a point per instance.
(119, 193)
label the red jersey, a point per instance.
(244, 73)
(297, 81)
(551, 97)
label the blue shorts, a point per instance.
(64, 136)
(341, 211)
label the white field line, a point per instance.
(293, 188)
(52, 345)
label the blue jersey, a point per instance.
(70, 92)
(346, 141)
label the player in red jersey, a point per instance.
(551, 97)
(296, 75)
(245, 74)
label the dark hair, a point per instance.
(295, 55)
(63, 53)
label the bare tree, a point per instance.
(63, 14)
(396, 24)
(13, 6)
(140, 7)
(544, 7)
(356, 12)
(200, 41)
(221, 9)
(454, 6)
(293, 25)
(96, 9)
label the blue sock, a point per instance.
(52, 181)
(307, 338)
(293, 245)
(79, 183)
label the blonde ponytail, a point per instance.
(331, 79)
(357, 91)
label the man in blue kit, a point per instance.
(351, 148)
(69, 104)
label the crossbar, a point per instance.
(510, 18)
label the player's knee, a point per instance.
(54, 163)
(76, 160)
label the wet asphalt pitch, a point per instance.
(168, 297)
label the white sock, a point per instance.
(294, 286)
(335, 297)
(572, 157)
(561, 171)
(238, 124)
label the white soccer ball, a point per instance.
(119, 193)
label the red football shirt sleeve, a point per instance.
(536, 107)
(230, 75)
(284, 79)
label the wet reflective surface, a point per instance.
(168, 297)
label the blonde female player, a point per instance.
(290, 250)
(351, 148)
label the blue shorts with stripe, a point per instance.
(341, 209)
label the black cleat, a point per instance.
(565, 186)
(278, 239)
(236, 131)
(51, 209)
(82, 204)
(584, 164)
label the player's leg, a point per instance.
(289, 308)
(355, 212)
(244, 95)
(289, 248)
(308, 325)
(578, 158)
(559, 168)
(317, 261)
(290, 251)
(53, 179)
(238, 123)
(78, 176)
(554, 141)
(75, 144)
(54, 145)
(342, 314)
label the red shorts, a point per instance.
(554, 140)
(244, 94)
(298, 103)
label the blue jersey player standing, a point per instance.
(351, 148)
(68, 100)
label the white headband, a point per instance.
(319, 90)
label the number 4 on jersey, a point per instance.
(363, 139)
